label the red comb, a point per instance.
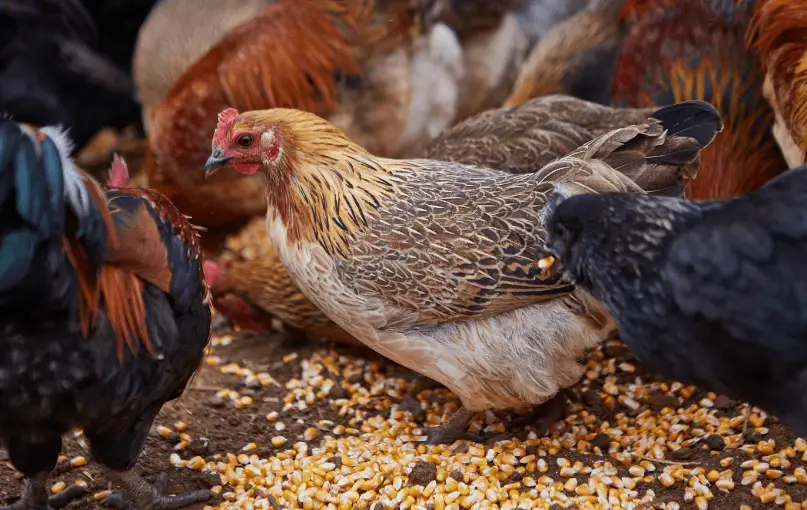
(118, 173)
(212, 272)
(226, 118)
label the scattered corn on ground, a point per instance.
(331, 436)
(375, 457)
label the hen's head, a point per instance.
(598, 237)
(322, 186)
(272, 140)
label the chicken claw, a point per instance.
(455, 428)
(410, 403)
(35, 496)
(144, 496)
(548, 413)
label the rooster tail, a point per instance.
(48, 207)
(690, 126)
(52, 211)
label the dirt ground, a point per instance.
(216, 426)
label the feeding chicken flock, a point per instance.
(487, 197)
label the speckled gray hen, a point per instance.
(434, 264)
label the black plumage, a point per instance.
(104, 314)
(52, 72)
(710, 293)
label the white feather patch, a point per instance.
(75, 191)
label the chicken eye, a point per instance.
(561, 231)
(244, 140)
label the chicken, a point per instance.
(263, 290)
(52, 73)
(241, 314)
(433, 264)
(528, 136)
(690, 49)
(493, 50)
(104, 309)
(778, 33)
(537, 17)
(575, 58)
(350, 60)
(709, 293)
(517, 140)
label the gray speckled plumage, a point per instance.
(526, 137)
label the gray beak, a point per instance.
(214, 162)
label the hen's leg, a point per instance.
(410, 403)
(548, 413)
(117, 447)
(453, 429)
(149, 497)
(36, 461)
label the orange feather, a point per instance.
(778, 32)
(122, 294)
(675, 51)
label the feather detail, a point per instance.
(778, 32)
(122, 294)
(675, 51)
(316, 202)
(261, 63)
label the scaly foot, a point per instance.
(141, 495)
(410, 403)
(35, 497)
(453, 429)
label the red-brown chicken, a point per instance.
(104, 310)
(779, 33)
(694, 49)
(308, 54)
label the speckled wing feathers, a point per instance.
(463, 242)
(460, 242)
(526, 137)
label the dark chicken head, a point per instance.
(599, 237)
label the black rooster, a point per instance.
(104, 311)
(51, 72)
(710, 293)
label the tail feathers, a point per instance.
(659, 155)
(698, 120)
(48, 206)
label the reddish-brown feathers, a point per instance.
(135, 253)
(679, 50)
(778, 33)
(287, 56)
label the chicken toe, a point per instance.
(455, 428)
(35, 495)
(137, 493)
(548, 413)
